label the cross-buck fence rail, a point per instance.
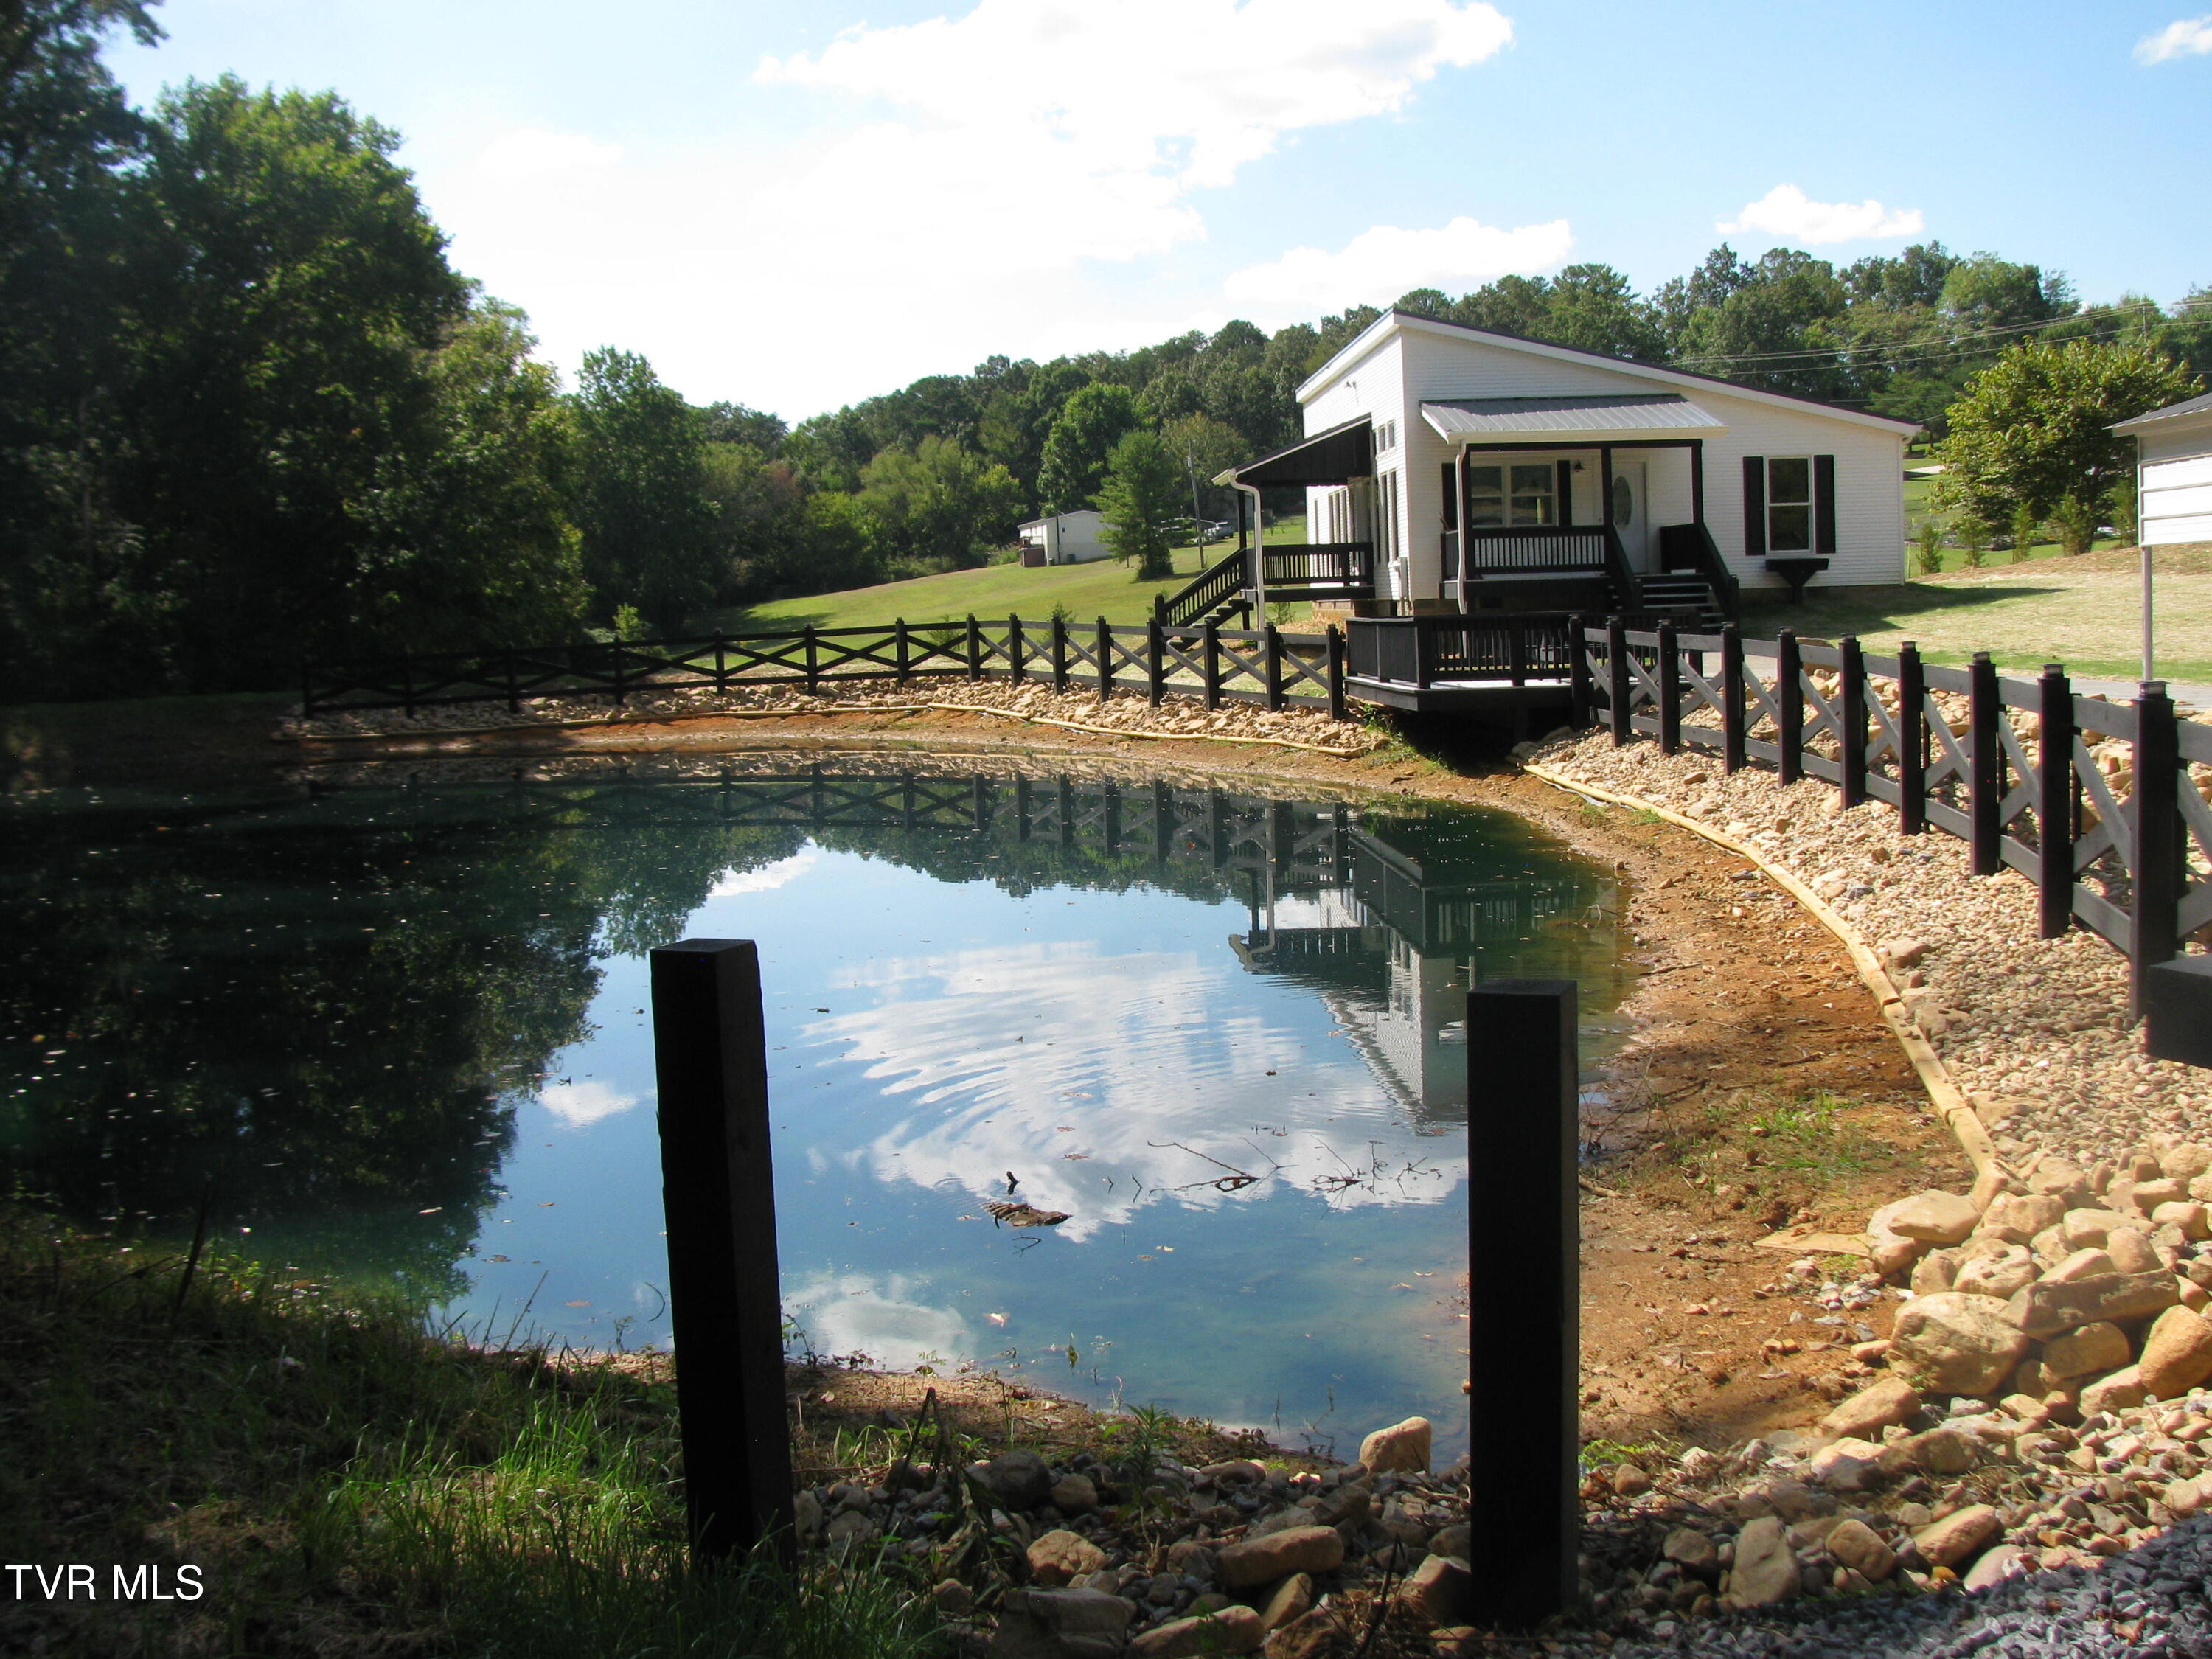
(2102, 806)
(1217, 664)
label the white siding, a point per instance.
(1869, 488)
(2176, 492)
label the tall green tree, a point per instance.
(938, 506)
(1083, 435)
(2034, 431)
(1143, 495)
(648, 526)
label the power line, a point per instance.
(1929, 350)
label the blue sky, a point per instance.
(796, 207)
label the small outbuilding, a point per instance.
(2173, 496)
(1074, 537)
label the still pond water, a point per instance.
(394, 1030)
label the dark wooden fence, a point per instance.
(2094, 802)
(1217, 664)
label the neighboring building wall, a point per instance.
(1067, 538)
(2176, 504)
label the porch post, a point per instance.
(1605, 484)
(1697, 480)
(1466, 547)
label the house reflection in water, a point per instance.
(1411, 915)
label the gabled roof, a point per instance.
(2181, 410)
(1397, 321)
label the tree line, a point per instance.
(248, 410)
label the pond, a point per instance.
(393, 1029)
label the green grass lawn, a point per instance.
(1105, 588)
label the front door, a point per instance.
(1630, 522)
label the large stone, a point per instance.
(1936, 1271)
(2094, 1348)
(1075, 1494)
(1289, 1599)
(1297, 1549)
(1401, 1446)
(1765, 1574)
(2045, 1310)
(1872, 1409)
(1855, 1545)
(2177, 1355)
(2150, 1194)
(2018, 1220)
(1939, 1451)
(2087, 1229)
(2188, 1218)
(2064, 1181)
(2081, 1265)
(2114, 1392)
(1691, 1551)
(2001, 1276)
(1962, 1344)
(2186, 1161)
(1947, 1542)
(1891, 1251)
(1231, 1630)
(1847, 1465)
(2131, 1252)
(1019, 1479)
(1442, 1587)
(1060, 1555)
(1933, 1217)
(2003, 1562)
(1059, 1623)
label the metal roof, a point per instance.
(1344, 451)
(2190, 406)
(1475, 418)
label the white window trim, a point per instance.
(1809, 504)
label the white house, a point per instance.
(2173, 447)
(1063, 538)
(1488, 472)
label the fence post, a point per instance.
(1059, 652)
(1851, 710)
(2158, 869)
(1522, 1091)
(2054, 800)
(1670, 691)
(1155, 661)
(1016, 651)
(1273, 643)
(1213, 635)
(899, 647)
(1336, 708)
(515, 688)
(721, 667)
(1789, 706)
(1581, 694)
(1985, 757)
(813, 662)
(1105, 660)
(1912, 741)
(1617, 682)
(1734, 727)
(724, 1295)
(974, 649)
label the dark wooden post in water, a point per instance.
(1789, 707)
(899, 647)
(1155, 661)
(1985, 756)
(1272, 641)
(1336, 710)
(813, 661)
(2158, 871)
(1523, 1203)
(1105, 660)
(1912, 741)
(974, 648)
(1616, 681)
(1734, 725)
(1852, 714)
(1669, 679)
(2054, 800)
(1212, 636)
(1016, 651)
(1581, 694)
(1059, 652)
(723, 1294)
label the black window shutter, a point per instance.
(1754, 507)
(1566, 495)
(1824, 503)
(1451, 496)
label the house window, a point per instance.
(1790, 504)
(1519, 494)
(1386, 437)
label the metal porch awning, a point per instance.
(1334, 457)
(1629, 417)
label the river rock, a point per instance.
(2046, 1309)
(1891, 1251)
(806, 1510)
(1764, 1573)
(1964, 1344)
(2019, 1218)
(2066, 1181)
(1691, 1551)
(2147, 1195)
(1019, 1479)
(2176, 1355)
(1872, 1409)
(1231, 1629)
(1939, 1451)
(2082, 1264)
(2114, 1392)
(1847, 1465)
(1855, 1545)
(2131, 1252)
(1060, 1555)
(2187, 1216)
(2004, 1561)
(1059, 1623)
(1289, 1599)
(1933, 1217)
(2186, 1161)
(2002, 1276)
(2091, 1350)
(1401, 1446)
(1947, 1542)
(1297, 1549)
(1075, 1494)
(2088, 1230)
(1442, 1587)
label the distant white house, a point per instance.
(1488, 471)
(1063, 538)
(2173, 447)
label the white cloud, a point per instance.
(883, 1318)
(1379, 264)
(2189, 37)
(978, 173)
(580, 1104)
(768, 877)
(1786, 211)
